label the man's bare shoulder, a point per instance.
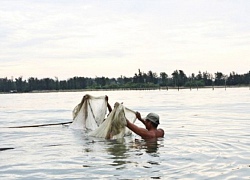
(160, 129)
(160, 132)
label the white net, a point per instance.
(114, 126)
(90, 115)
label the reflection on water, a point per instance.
(149, 145)
(118, 150)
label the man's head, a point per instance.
(153, 118)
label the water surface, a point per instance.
(206, 137)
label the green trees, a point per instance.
(143, 80)
(238, 79)
(6, 85)
(179, 78)
(140, 80)
(164, 79)
(218, 78)
(20, 84)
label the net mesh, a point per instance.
(90, 115)
(114, 126)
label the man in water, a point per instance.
(151, 123)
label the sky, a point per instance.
(113, 38)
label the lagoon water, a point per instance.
(207, 136)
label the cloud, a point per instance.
(96, 38)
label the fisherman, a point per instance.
(151, 123)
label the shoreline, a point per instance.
(130, 89)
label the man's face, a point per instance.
(147, 124)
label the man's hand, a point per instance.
(109, 107)
(86, 96)
(138, 115)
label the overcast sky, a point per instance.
(89, 38)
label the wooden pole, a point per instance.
(40, 125)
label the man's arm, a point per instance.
(144, 133)
(138, 116)
(109, 107)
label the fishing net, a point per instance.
(114, 126)
(90, 115)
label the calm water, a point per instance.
(207, 136)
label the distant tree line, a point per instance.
(140, 80)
